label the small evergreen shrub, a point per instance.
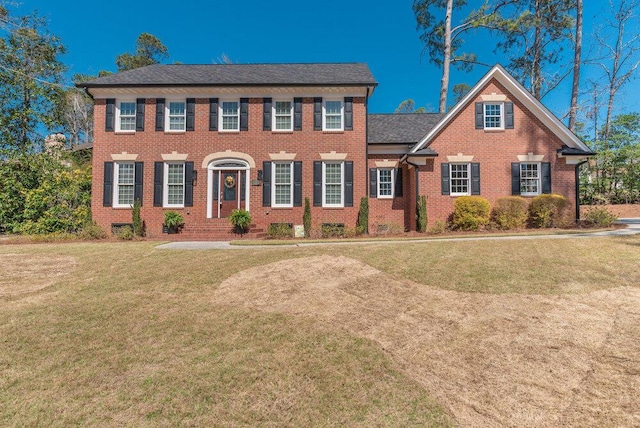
(421, 214)
(240, 220)
(136, 219)
(471, 213)
(362, 226)
(548, 211)
(389, 229)
(92, 230)
(280, 230)
(510, 213)
(332, 230)
(124, 233)
(306, 218)
(599, 217)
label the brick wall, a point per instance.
(306, 144)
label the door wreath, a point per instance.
(230, 182)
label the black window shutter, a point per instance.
(508, 115)
(475, 178)
(266, 184)
(188, 184)
(140, 114)
(107, 191)
(244, 114)
(216, 190)
(444, 172)
(297, 184)
(398, 183)
(479, 116)
(191, 114)
(297, 114)
(138, 181)
(110, 114)
(213, 114)
(373, 182)
(515, 178)
(317, 183)
(160, 114)
(348, 184)
(158, 178)
(348, 113)
(266, 114)
(317, 114)
(546, 177)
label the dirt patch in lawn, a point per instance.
(492, 360)
(23, 274)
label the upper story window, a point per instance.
(283, 116)
(493, 116)
(459, 179)
(123, 189)
(529, 179)
(176, 117)
(385, 183)
(230, 115)
(333, 115)
(126, 116)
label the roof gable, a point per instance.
(518, 91)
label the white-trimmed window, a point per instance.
(123, 189)
(126, 117)
(282, 188)
(385, 182)
(493, 116)
(176, 116)
(230, 116)
(529, 179)
(332, 118)
(283, 116)
(333, 184)
(459, 179)
(173, 185)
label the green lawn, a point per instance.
(126, 334)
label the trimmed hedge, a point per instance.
(471, 213)
(548, 211)
(510, 213)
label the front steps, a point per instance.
(215, 229)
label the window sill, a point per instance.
(288, 131)
(230, 131)
(333, 208)
(175, 132)
(121, 208)
(282, 208)
(329, 131)
(494, 130)
(124, 132)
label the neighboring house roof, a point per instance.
(521, 94)
(334, 74)
(401, 128)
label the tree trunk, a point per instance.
(446, 63)
(573, 111)
(536, 83)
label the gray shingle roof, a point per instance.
(405, 128)
(336, 74)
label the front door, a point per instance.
(229, 192)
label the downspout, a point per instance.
(577, 178)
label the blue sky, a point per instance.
(379, 33)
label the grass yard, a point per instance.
(489, 333)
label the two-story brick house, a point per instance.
(207, 139)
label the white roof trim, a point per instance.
(522, 95)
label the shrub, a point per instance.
(438, 227)
(92, 230)
(306, 218)
(332, 230)
(510, 212)
(280, 230)
(548, 211)
(599, 217)
(136, 219)
(471, 213)
(240, 220)
(362, 226)
(173, 219)
(389, 229)
(125, 233)
(421, 214)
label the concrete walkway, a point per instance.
(633, 228)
